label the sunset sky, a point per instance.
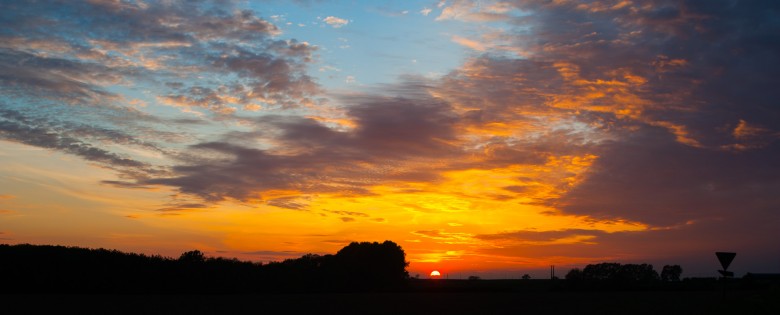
(490, 138)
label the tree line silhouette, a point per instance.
(47, 268)
(624, 276)
(358, 267)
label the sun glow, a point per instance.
(435, 274)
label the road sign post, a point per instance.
(725, 259)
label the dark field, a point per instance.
(447, 299)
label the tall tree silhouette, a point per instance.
(372, 264)
(671, 273)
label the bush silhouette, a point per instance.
(613, 275)
(618, 272)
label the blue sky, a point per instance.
(378, 43)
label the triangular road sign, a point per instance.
(725, 259)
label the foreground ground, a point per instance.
(517, 302)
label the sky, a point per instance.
(488, 138)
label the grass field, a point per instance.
(534, 299)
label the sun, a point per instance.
(435, 273)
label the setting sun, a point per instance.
(435, 273)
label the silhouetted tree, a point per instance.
(474, 278)
(372, 264)
(618, 272)
(575, 275)
(57, 269)
(637, 272)
(526, 277)
(193, 256)
(671, 273)
(602, 271)
(613, 275)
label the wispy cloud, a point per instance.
(469, 43)
(336, 22)
(474, 11)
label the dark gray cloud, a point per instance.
(664, 94)
(674, 87)
(309, 157)
(706, 65)
(650, 178)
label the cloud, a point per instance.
(156, 42)
(307, 156)
(125, 184)
(680, 145)
(658, 120)
(180, 206)
(290, 202)
(531, 235)
(475, 45)
(654, 179)
(209, 58)
(474, 11)
(425, 11)
(446, 237)
(349, 213)
(17, 127)
(336, 22)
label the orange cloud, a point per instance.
(469, 43)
